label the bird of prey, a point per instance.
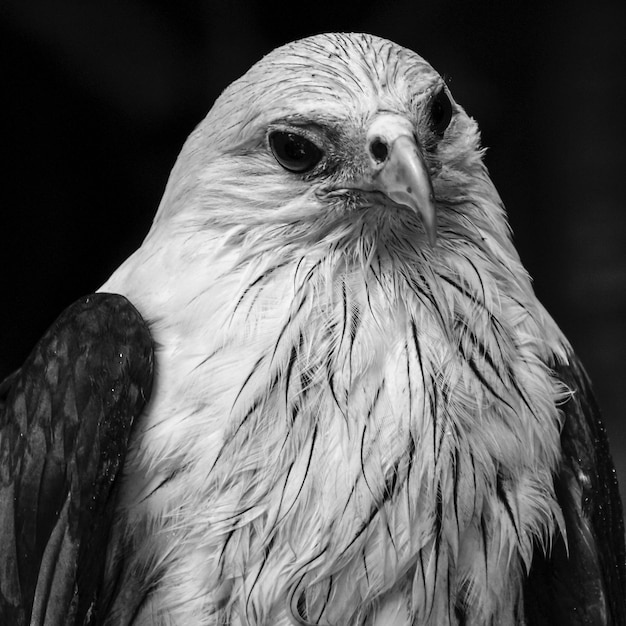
(359, 413)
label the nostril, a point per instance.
(379, 149)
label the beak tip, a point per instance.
(432, 237)
(428, 213)
(431, 231)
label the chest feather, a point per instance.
(342, 445)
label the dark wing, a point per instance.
(584, 583)
(65, 420)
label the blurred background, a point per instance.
(98, 98)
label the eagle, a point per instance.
(322, 391)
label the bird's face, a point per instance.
(327, 135)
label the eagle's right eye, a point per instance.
(440, 113)
(294, 152)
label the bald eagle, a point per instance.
(322, 391)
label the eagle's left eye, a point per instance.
(440, 112)
(294, 152)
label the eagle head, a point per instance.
(344, 138)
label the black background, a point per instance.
(98, 98)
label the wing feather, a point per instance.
(65, 420)
(582, 580)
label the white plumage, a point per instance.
(349, 425)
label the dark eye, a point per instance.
(440, 113)
(294, 152)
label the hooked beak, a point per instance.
(398, 170)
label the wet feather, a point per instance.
(349, 426)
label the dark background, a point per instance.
(99, 97)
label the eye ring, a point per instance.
(440, 112)
(294, 152)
